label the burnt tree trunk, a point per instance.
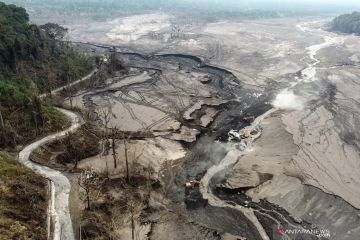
(132, 223)
(114, 148)
(76, 163)
(88, 199)
(127, 163)
(1, 120)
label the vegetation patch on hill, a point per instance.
(33, 60)
(347, 23)
(35, 53)
(23, 116)
(23, 201)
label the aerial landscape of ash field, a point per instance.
(179, 119)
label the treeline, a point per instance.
(208, 10)
(347, 23)
(33, 59)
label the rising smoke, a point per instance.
(287, 100)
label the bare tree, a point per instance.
(51, 77)
(131, 205)
(150, 170)
(37, 112)
(2, 125)
(105, 114)
(68, 89)
(113, 146)
(124, 214)
(70, 96)
(89, 181)
(114, 153)
(126, 161)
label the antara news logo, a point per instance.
(304, 234)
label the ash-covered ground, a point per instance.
(189, 83)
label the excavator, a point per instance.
(245, 135)
(192, 184)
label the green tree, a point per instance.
(28, 50)
(347, 23)
(54, 30)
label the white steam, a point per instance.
(287, 100)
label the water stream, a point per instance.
(286, 100)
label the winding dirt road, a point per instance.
(60, 185)
(57, 90)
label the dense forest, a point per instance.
(33, 59)
(34, 53)
(347, 23)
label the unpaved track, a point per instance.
(60, 185)
(57, 90)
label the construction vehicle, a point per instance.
(174, 126)
(192, 184)
(248, 118)
(245, 135)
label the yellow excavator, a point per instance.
(245, 135)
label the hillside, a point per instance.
(23, 201)
(23, 116)
(34, 53)
(347, 23)
(33, 60)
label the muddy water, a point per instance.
(210, 171)
(308, 74)
(286, 99)
(232, 157)
(210, 149)
(211, 146)
(215, 208)
(212, 156)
